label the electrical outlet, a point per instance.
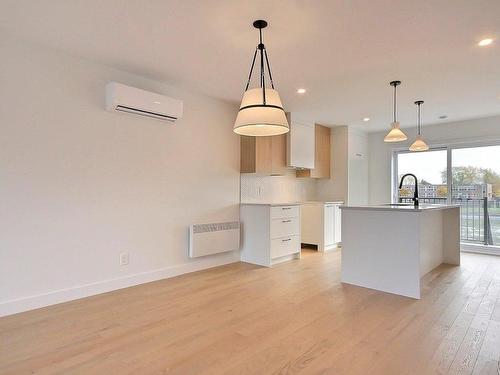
(124, 259)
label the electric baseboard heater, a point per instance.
(214, 238)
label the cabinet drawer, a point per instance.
(284, 246)
(285, 226)
(284, 211)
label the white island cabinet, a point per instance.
(389, 248)
(321, 224)
(270, 233)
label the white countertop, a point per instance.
(402, 207)
(273, 204)
(292, 203)
(323, 202)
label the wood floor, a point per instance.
(296, 318)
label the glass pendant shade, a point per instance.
(258, 119)
(419, 144)
(395, 134)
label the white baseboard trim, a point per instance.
(333, 247)
(86, 290)
(480, 249)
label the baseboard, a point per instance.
(480, 249)
(333, 247)
(86, 290)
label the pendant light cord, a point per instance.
(418, 119)
(395, 103)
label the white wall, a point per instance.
(380, 153)
(80, 185)
(276, 189)
(358, 189)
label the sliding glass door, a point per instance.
(468, 176)
(475, 174)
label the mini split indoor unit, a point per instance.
(128, 99)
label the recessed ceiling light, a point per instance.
(443, 117)
(301, 91)
(365, 119)
(485, 42)
(156, 102)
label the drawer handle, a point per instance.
(288, 239)
(286, 208)
(286, 221)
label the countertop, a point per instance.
(405, 208)
(322, 202)
(273, 204)
(291, 203)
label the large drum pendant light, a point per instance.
(419, 144)
(261, 112)
(395, 134)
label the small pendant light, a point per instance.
(261, 112)
(395, 134)
(419, 144)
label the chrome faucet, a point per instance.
(415, 193)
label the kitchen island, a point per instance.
(390, 247)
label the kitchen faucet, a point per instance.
(415, 193)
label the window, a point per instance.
(431, 171)
(468, 176)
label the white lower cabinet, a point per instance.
(284, 246)
(321, 224)
(270, 233)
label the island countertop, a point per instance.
(402, 207)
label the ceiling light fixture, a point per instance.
(301, 91)
(485, 42)
(261, 112)
(419, 144)
(365, 119)
(395, 134)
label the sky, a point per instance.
(429, 165)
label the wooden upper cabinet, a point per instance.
(321, 154)
(265, 155)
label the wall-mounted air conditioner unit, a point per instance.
(128, 99)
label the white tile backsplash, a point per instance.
(276, 189)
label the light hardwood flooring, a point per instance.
(296, 318)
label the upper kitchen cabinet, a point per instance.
(300, 143)
(321, 154)
(263, 155)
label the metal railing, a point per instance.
(475, 224)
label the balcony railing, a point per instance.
(475, 223)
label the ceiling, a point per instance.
(343, 52)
